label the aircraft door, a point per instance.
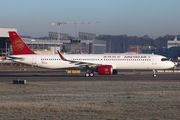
(34, 63)
(154, 60)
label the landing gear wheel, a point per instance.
(91, 74)
(154, 73)
(87, 74)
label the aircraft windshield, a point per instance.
(164, 59)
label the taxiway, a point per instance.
(35, 76)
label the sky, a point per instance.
(116, 17)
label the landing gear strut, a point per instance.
(154, 73)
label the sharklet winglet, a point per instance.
(61, 56)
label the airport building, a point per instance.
(4, 41)
(171, 51)
(173, 48)
(85, 43)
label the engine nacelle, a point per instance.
(105, 70)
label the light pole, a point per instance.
(58, 37)
(59, 31)
(59, 23)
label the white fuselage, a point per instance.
(118, 61)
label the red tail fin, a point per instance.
(18, 45)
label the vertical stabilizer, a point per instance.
(18, 45)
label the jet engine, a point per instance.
(105, 70)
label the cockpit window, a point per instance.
(164, 59)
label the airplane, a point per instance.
(103, 64)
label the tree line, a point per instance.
(122, 42)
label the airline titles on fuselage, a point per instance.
(138, 56)
(128, 56)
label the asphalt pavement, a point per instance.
(62, 76)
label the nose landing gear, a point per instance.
(154, 73)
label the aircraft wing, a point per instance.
(80, 63)
(86, 64)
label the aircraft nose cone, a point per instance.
(173, 64)
(169, 65)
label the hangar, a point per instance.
(4, 40)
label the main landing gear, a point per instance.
(89, 74)
(154, 73)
